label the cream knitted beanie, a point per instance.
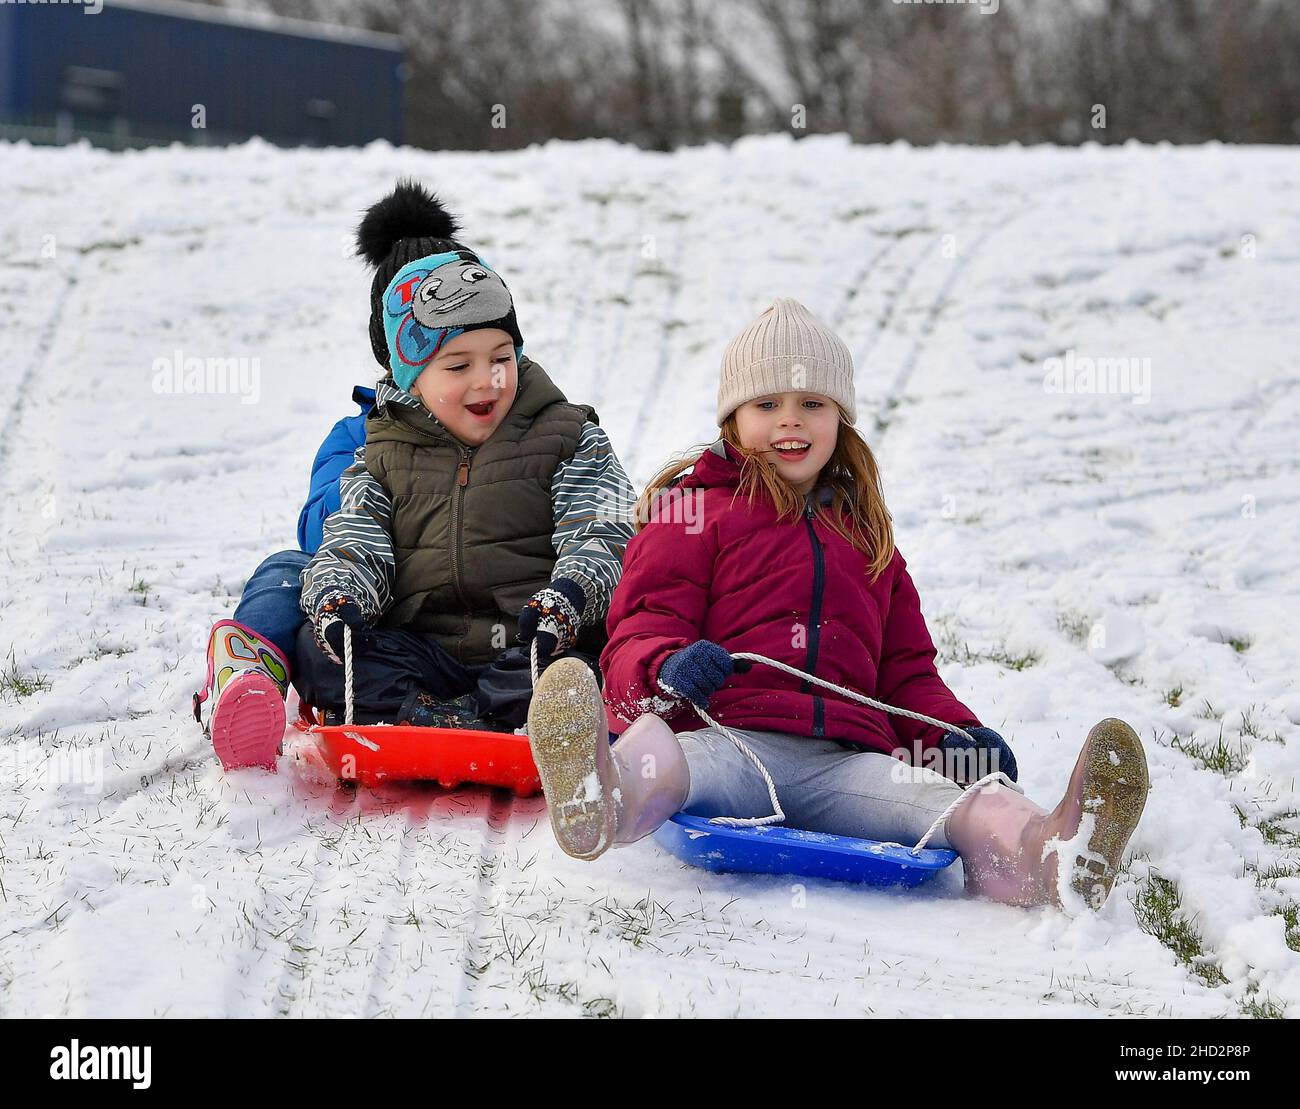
(787, 349)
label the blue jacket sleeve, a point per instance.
(335, 456)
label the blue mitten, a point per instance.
(993, 752)
(697, 672)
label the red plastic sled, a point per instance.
(376, 753)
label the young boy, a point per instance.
(479, 511)
(479, 504)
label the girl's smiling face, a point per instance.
(470, 384)
(796, 432)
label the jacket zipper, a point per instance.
(457, 525)
(815, 618)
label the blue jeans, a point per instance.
(270, 602)
(823, 786)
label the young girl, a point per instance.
(470, 517)
(776, 541)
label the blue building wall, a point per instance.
(138, 70)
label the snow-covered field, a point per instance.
(1080, 554)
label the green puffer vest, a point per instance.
(473, 527)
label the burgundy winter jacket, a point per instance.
(709, 568)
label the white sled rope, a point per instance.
(778, 814)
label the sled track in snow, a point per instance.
(658, 382)
(12, 509)
(500, 807)
(386, 966)
(44, 345)
(860, 279)
(605, 354)
(661, 382)
(909, 364)
(305, 938)
(141, 781)
(893, 302)
(577, 339)
(1111, 501)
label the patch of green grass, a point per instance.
(1290, 915)
(1268, 1009)
(1250, 727)
(1125, 676)
(18, 685)
(1266, 876)
(1208, 712)
(1239, 644)
(903, 232)
(1217, 756)
(100, 651)
(1273, 832)
(1001, 656)
(1075, 625)
(1158, 908)
(952, 648)
(1173, 697)
(109, 244)
(656, 269)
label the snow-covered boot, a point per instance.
(250, 678)
(598, 795)
(1011, 849)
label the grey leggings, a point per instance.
(823, 786)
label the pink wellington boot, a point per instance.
(250, 677)
(1011, 849)
(599, 795)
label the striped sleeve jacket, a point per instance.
(592, 499)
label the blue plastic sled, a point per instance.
(774, 849)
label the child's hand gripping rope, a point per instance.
(551, 618)
(989, 749)
(697, 672)
(334, 614)
(700, 670)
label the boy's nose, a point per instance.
(481, 381)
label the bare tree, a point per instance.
(505, 73)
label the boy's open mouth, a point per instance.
(792, 449)
(483, 410)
